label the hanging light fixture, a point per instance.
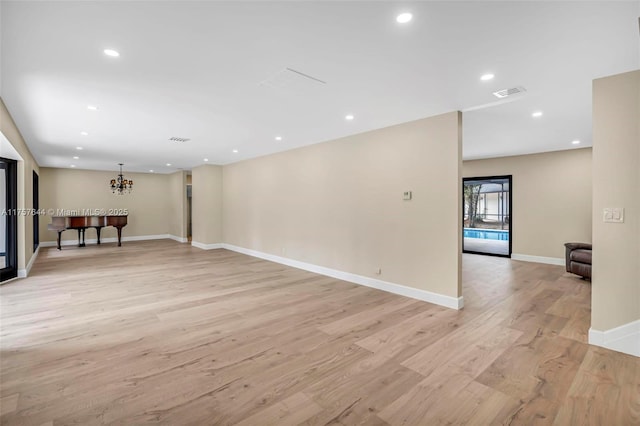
(120, 185)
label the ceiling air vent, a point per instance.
(175, 139)
(509, 92)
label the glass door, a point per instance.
(487, 215)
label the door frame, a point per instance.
(509, 179)
(11, 255)
(36, 208)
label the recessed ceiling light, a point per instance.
(235, 151)
(278, 138)
(206, 159)
(111, 52)
(403, 18)
(576, 142)
(150, 171)
(92, 107)
(349, 117)
(79, 148)
(76, 157)
(72, 166)
(537, 114)
(487, 77)
(168, 164)
(84, 133)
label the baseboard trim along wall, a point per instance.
(179, 239)
(24, 273)
(625, 338)
(538, 259)
(204, 246)
(110, 240)
(414, 293)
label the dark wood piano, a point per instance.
(81, 223)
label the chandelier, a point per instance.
(120, 185)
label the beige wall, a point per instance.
(150, 205)
(615, 297)
(206, 204)
(551, 198)
(26, 167)
(339, 204)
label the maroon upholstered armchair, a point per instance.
(578, 259)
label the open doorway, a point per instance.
(486, 219)
(189, 226)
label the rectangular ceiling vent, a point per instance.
(509, 92)
(175, 139)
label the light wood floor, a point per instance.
(160, 332)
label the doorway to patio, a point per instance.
(486, 218)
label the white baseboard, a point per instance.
(179, 239)
(414, 293)
(204, 246)
(51, 244)
(538, 259)
(625, 338)
(106, 240)
(24, 273)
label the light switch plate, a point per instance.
(613, 215)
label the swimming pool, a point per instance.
(486, 234)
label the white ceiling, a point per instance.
(194, 70)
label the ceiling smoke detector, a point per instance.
(175, 139)
(509, 92)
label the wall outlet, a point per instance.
(379, 271)
(407, 195)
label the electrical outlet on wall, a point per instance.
(407, 195)
(379, 271)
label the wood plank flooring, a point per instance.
(159, 332)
